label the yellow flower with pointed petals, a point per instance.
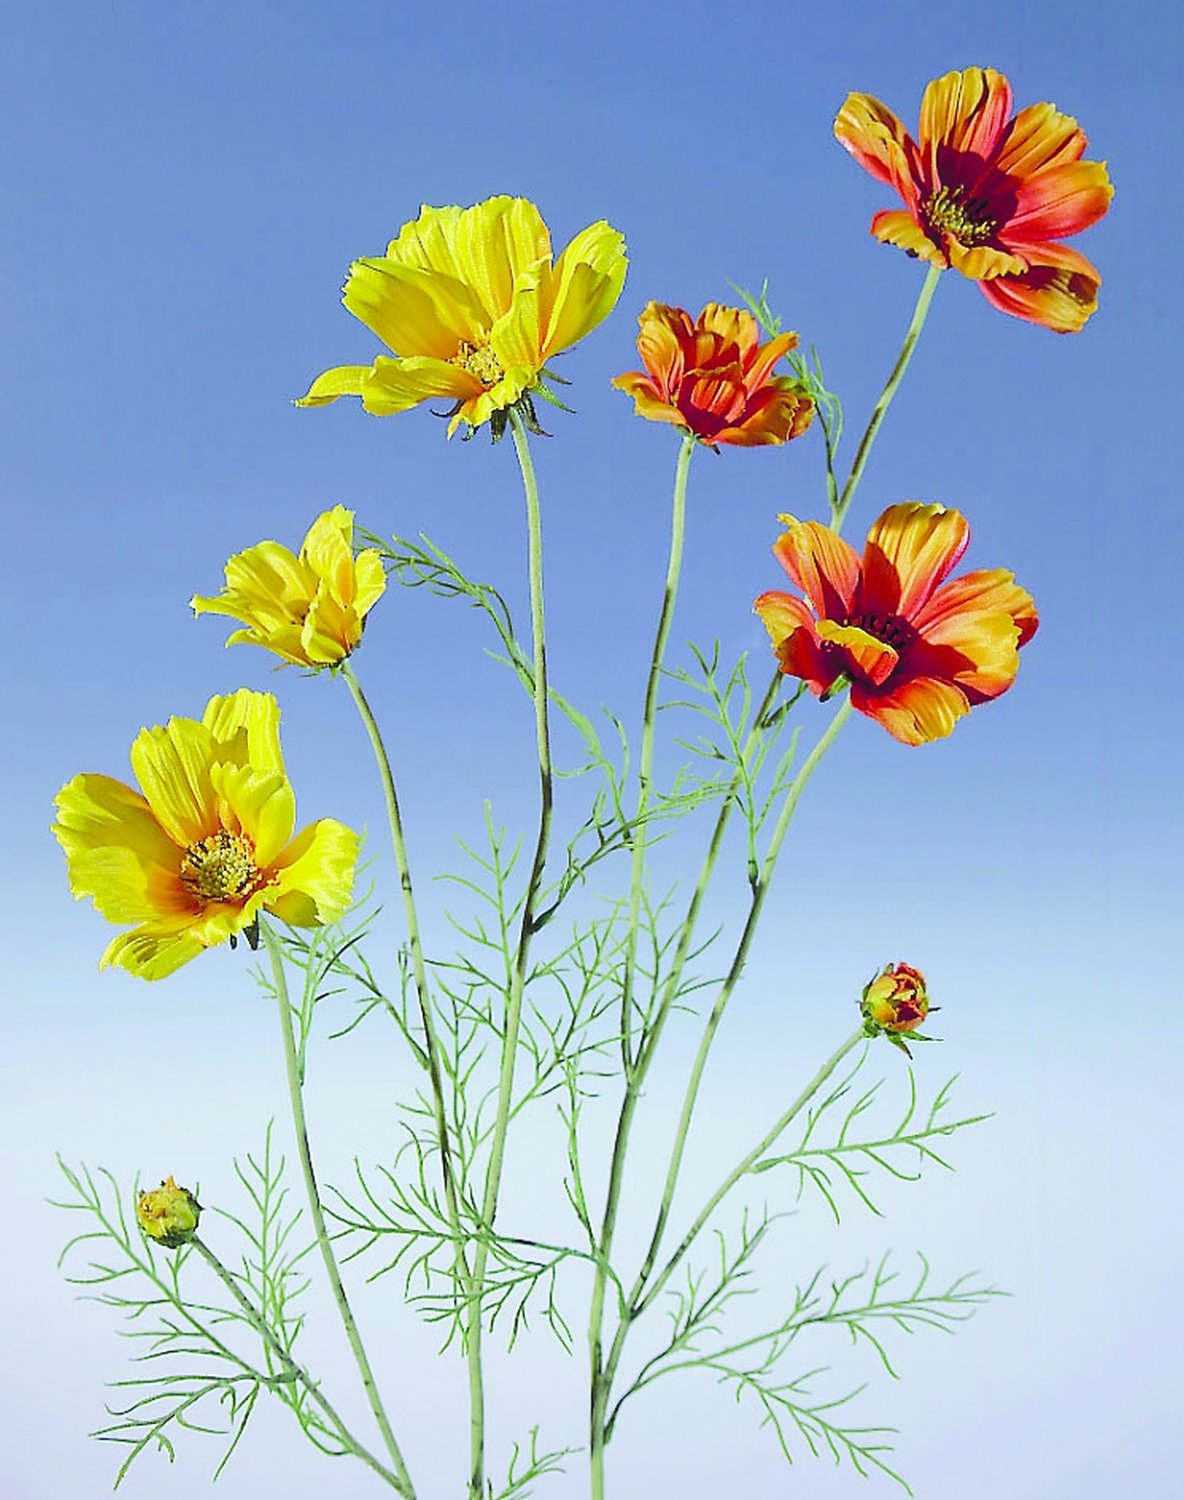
(472, 306)
(208, 844)
(310, 610)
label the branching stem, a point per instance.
(300, 1129)
(294, 1370)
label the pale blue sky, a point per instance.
(184, 190)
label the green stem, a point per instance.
(638, 1297)
(648, 720)
(637, 872)
(509, 1057)
(756, 905)
(300, 1129)
(418, 969)
(293, 1370)
(746, 1164)
(880, 410)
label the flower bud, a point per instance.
(895, 1002)
(168, 1214)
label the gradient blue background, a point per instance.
(183, 191)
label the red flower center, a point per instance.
(890, 629)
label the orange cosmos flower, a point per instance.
(714, 378)
(917, 651)
(987, 193)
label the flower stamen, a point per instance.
(479, 360)
(221, 868)
(951, 211)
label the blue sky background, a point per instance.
(184, 192)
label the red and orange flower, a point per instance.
(713, 377)
(918, 652)
(985, 192)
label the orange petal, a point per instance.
(1058, 202)
(983, 589)
(777, 413)
(878, 141)
(1039, 136)
(919, 710)
(910, 549)
(821, 563)
(1059, 290)
(963, 113)
(892, 226)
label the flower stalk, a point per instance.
(320, 1229)
(884, 400)
(513, 1022)
(295, 1371)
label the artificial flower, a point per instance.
(917, 651)
(988, 193)
(168, 1214)
(472, 307)
(309, 610)
(207, 846)
(714, 378)
(895, 1003)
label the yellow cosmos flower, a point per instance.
(168, 1214)
(471, 305)
(207, 846)
(309, 610)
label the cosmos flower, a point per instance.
(895, 1003)
(168, 1214)
(985, 192)
(207, 846)
(917, 651)
(472, 308)
(310, 610)
(714, 378)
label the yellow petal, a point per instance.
(315, 875)
(343, 380)
(260, 804)
(246, 729)
(369, 582)
(151, 954)
(584, 286)
(172, 765)
(414, 311)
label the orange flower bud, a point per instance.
(895, 1002)
(168, 1214)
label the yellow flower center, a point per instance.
(967, 219)
(479, 361)
(221, 868)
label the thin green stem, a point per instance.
(300, 1129)
(638, 1297)
(648, 723)
(294, 1371)
(509, 1055)
(880, 410)
(636, 879)
(418, 970)
(745, 1165)
(756, 904)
